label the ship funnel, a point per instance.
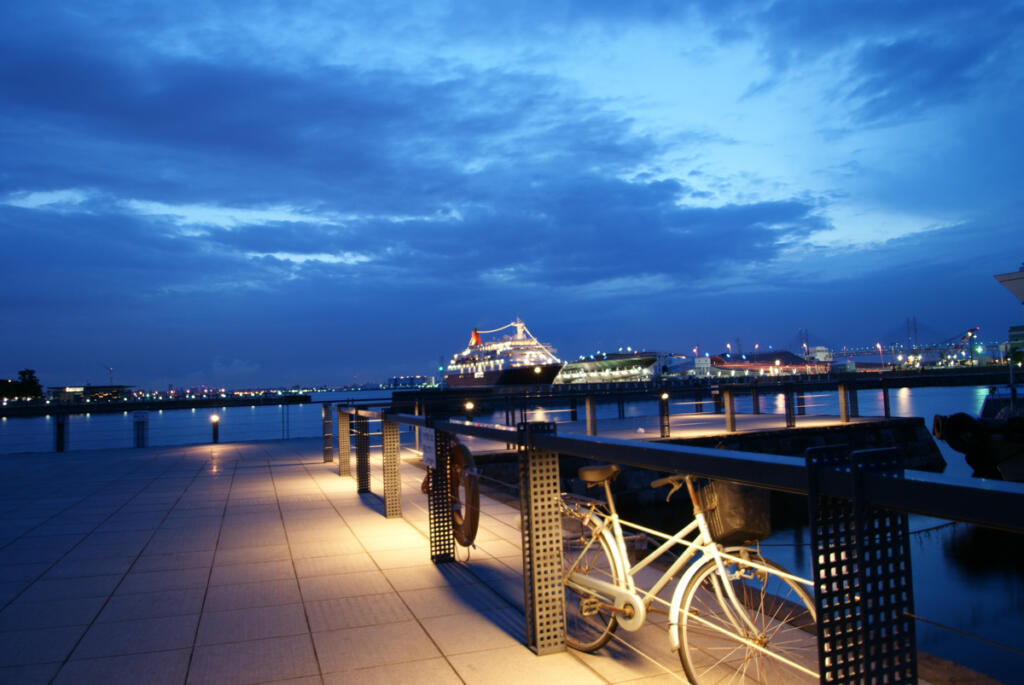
(474, 339)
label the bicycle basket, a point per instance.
(736, 514)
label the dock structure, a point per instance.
(262, 561)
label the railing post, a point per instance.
(573, 413)
(539, 497)
(862, 578)
(60, 432)
(787, 395)
(622, 407)
(344, 444)
(716, 398)
(801, 403)
(416, 429)
(140, 428)
(886, 410)
(391, 450)
(439, 500)
(699, 408)
(590, 408)
(663, 415)
(844, 404)
(730, 410)
(755, 400)
(854, 408)
(362, 453)
(327, 416)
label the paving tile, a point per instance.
(24, 647)
(143, 635)
(252, 624)
(21, 615)
(251, 555)
(343, 585)
(333, 565)
(70, 588)
(100, 566)
(349, 612)
(370, 646)
(401, 558)
(325, 548)
(174, 561)
(247, 595)
(36, 674)
(460, 633)
(277, 658)
(426, 671)
(517, 664)
(156, 581)
(251, 573)
(429, 575)
(142, 605)
(442, 601)
(153, 668)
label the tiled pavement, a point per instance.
(256, 562)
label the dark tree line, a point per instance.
(27, 385)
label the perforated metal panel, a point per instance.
(861, 571)
(439, 502)
(327, 414)
(362, 454)
(392, 482)
(344, 444)
(539, 495)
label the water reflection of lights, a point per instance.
(903, 402)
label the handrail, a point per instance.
(995, 504)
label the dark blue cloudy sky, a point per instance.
(262, 193)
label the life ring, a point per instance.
(465, 493)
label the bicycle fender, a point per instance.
(677, 595)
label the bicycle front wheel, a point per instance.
(768, 635)
(589, 622)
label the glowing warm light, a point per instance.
(469, 406)
(664, 395)
(214, 418)
(536, 369)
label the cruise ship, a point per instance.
(517, 358)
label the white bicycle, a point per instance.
(734, 616)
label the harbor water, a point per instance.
(968, 579)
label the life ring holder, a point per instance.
(465, 493)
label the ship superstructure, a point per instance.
(517, 358)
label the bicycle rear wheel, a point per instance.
(716, 643)
(589, 624)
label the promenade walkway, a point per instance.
(257, 563)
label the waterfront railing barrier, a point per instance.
(857, 504)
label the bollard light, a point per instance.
(215, 422)
(469, 406)
(664, 395)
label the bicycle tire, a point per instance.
(586, 632)
(781, 610)
(465, 492)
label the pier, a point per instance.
(251, 562)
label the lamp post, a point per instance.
(215, 423)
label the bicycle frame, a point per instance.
(609, 527)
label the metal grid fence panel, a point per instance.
(344, 444)
(392, 480)
(862, 577)
(362, 454)
(327, 414)
(439, 502)
(543, 592)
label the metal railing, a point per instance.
(857, 504)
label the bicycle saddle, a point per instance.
(598, 474)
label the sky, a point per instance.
(270, 193)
